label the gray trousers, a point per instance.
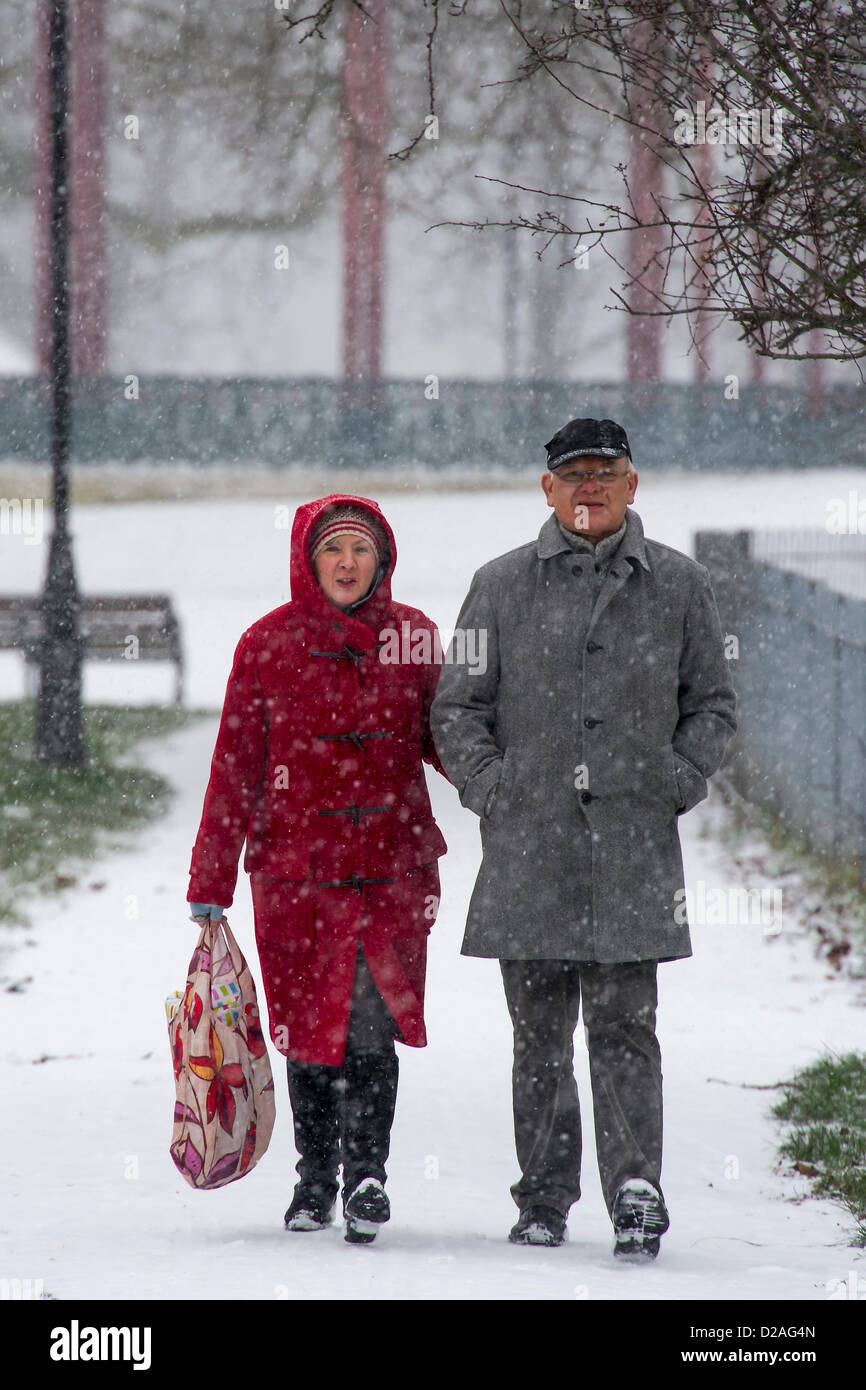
(619, 1011)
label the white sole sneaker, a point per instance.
(365, 1211)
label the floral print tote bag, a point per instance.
(224, 1107)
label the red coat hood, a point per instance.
(304, 586)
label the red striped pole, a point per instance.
(646, 172)
(88, 188)
(363, 152)
(87, 275)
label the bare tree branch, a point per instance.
(773, 239)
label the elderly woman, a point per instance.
(319, 767)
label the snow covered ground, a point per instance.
(94, 1207)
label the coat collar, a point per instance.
(632, 546)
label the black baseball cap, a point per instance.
(581, 438)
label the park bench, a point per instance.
(113, 627)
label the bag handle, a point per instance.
(206, 942)
(210, 937)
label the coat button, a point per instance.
(591, 723)
(577, 569)
(594, 647)
(586, 797)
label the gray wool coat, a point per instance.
(601, 708)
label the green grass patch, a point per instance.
(824, 1107)
(54, 821)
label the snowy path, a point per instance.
(97, 1211)
(93, 1205)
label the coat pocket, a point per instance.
(406, 849)
(284, 919)
(691, 785)
(498, 799)
(282, 890)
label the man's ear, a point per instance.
(547, 487)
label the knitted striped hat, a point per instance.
(352, 521)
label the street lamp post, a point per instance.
(59, 721)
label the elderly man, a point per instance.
(604, 706)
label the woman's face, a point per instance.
(344, 569)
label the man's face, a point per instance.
(589, 504)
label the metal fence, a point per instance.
(798, 649)
(435, 423)
(837, 560)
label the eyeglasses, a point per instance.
(596, 475)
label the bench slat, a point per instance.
(106, 623)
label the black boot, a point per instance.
(311, 1210)
(365, 1209)
(368, 1105)
(314, 1092)
(539, 1226)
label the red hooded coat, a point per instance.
(318, 766)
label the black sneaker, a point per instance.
(365, 1209)
(639, 1221)
(311, 1210)
(539, 1226)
